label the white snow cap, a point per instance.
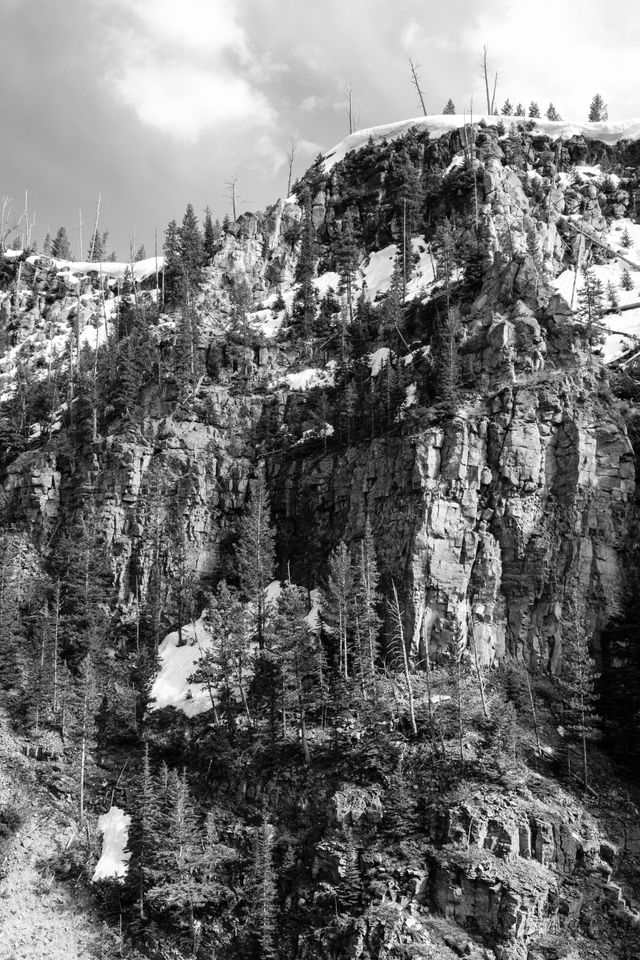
(114, 859)
(438, 125)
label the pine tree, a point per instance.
(455, 652)
(305, 303)
(223, 666)
(614, 302)
(552, 113)
(208, 235)
(191, 251)
(263, 893)
(598, 112)
(179, 870)
(626, 240)
(534, 109)
(143, 834)
(61, 248)
(350, 886)
(398, 649)
(507, 108)
(255, 553)
(519, 111)
(590, 299)
(172, 261)
(336, 605)
(449, 107)
(365, 603)
(46, 246)
(140, 254)
(447, 361)
(579, 676)
(626, 280)
(296, 648)
(346, 254)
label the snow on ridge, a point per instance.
(142, 269)
(114, 859)
(611, 131)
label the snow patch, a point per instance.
(438, 125)
(114, 859)
(377, 271)
(377, 359)
(171, 687)
(306, 379)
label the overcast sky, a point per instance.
(157, 103)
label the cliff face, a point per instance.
(483, 513)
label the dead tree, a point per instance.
(415, 79)
(491, 100)
(232, 194)
(293, 148)
(354, 118)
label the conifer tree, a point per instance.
(447, 362)
(172, 261)
(626, 280)
(346, 254)
(143, 834)
(590, 299)
(449, 107)
(552, 113)
(61, 248)
(350, 886)
(179, 870)
(455, 652)
(399, 651)
(263, 906)
(625, 240)
(255, 553)
(191, 251)
(534, 109)
(46, 246)
(366, 600)
(224, 664)
(336, 606)
(305, 303)
(140, 254)
(507, 108)
(209, 241)
(579, 676)
(598, 111)
(612, 296)
(298, 655)
(519, 111)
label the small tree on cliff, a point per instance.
(255, 552)
(578, 679)
(450, 107)
(598, 111)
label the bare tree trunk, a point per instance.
(534, 712)
(477, 667)
(415, 79)
(293, 146)
(95, 230)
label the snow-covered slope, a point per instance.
(439, 124)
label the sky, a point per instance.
(153, 104)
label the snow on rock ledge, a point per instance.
(438, 125)
(114, 859)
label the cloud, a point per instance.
(188, 68)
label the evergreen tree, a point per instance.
(399, 653)
(447, 361)
(172, 261)
(140, 254)
(455, 652)
(598, 112)
(144, 829)
(519, 111)
(449, 107)
(223, 666)
(211, 235)
(552, 113)
(626, 240)
(61, 248)
(507, 108)
(614, 302)
(298, 654)
(626, 280)
(590, 299)
(534, 109)
(46, 247)
(192, 253)
(366, 600)
(337, 601)
(255, 553)
(346, 254)
(263, 893)
(578, 679)
(305, 303)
